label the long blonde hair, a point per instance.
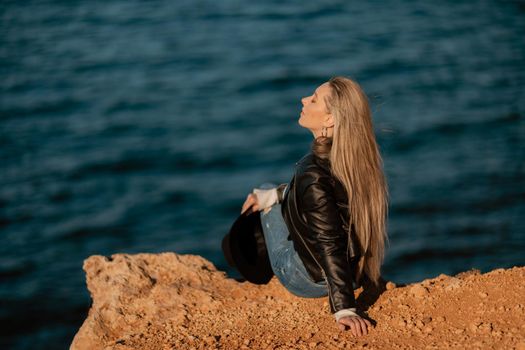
(356, 162)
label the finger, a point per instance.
(354, 330)
(247, 204)
(357, 327)
(364, 330)
(245, 207)
(368, 323)
(349, 322)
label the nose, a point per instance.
(303, 100)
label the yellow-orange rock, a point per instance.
(171, 301)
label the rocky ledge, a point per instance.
(171, 301)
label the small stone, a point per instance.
(427, 329)
(312, 344)
(440, 319)
(209, 340)
(246, 342)
(426, 320)
(483, 294)
(473, 327)
(308, 335)
(419, 291)
(453, 283)
(390, 285)
(485, 327)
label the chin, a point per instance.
(300, 122)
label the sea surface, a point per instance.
(130, 126)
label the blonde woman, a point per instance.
(325, 231)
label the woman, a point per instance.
(325, 231)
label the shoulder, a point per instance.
(311, 170)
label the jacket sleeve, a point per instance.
(321, 213)
(280, 192)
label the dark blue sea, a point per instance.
(130, 126)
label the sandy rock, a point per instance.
(452, 283)
(390, 285)
(419, 291)
(171, 301)
(520, 345)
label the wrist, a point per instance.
(345, 313)
(266, 197)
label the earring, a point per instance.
(324, 132)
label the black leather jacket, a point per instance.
(315, 210)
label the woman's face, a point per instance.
(314, 115)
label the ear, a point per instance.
(328, 121)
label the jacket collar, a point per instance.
(311, 159)
(322, 162)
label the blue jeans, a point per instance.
(285, 262)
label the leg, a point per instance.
(284, 260)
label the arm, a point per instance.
(268, 197)
(321, 213)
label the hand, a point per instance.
(251, 202)
(358, 326)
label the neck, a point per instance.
(319, 132)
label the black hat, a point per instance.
(244, 248)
